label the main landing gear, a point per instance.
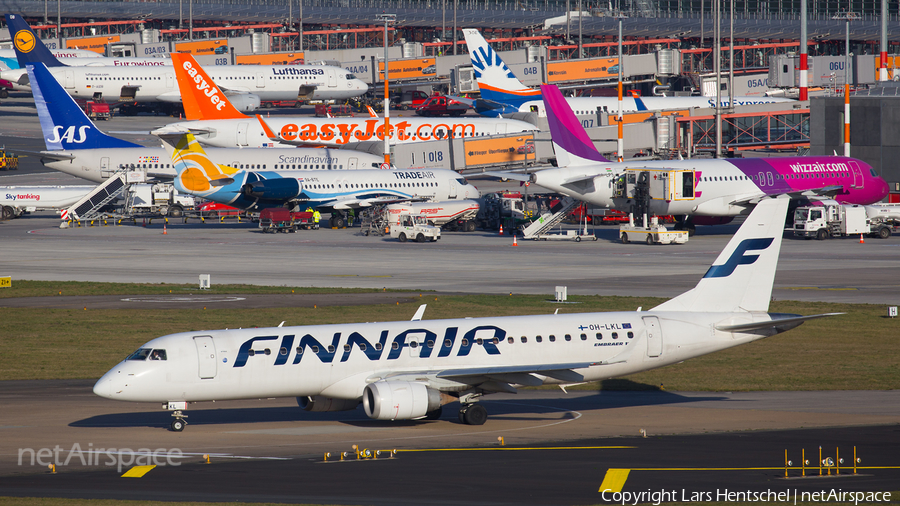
(472, 414)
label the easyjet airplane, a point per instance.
(697, 188)
(217, 123)
(409, 370)
(246, 84)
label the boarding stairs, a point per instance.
(88, 208)
(550, 219)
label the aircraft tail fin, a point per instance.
(29, 48)
(196, 172)
(742, 277)
(201, 97)
(495, 80)
(570, 141)
(64, 124)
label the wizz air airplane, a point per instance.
(217, 123)
(77, 147)
(334, 191)
(503, 93)
(409, 369)
(695, 187)
(246, 84)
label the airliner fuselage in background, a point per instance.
(702, 187)
(153, 81)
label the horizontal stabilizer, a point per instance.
(790, 322)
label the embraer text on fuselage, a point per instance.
(207, 88)
(344, 132)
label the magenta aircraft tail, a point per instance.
(570, 141)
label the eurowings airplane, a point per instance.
(409, 370)
(247, 84)
(695, 187)
(77, 147)
(334, 191)
(503, 93)
(219, 124)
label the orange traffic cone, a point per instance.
(861, 240)
(501, 229)
(164, 229)
(514, 240)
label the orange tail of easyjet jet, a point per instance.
(201, 98)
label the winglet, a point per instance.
(29, 48)
(63, 123)
(570, 141)
(201, 97)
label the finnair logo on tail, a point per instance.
(739, 258)
(69, 135)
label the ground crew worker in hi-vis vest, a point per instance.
(316, 216)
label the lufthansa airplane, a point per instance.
(217, 123)
(334, 191)
(246, 84)
(409, 369)
(503, 93)
(698, 188)
(77, 147)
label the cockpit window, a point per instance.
(872, 171)
(141, 354)
(462, 181)
(351, 76)
(158, 355)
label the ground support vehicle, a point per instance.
(8, 161)
(448, 215)
(506, 209)
(414, 227)
(157, 199)
(17, 200)
(97, 110)
(374, 221)
(282, 220)
(439, 105)
(652, 234)
(408, 99)
(840, 220)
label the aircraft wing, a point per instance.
(825, 192)
(782, 322)
(521, 375)
(357, 203)
(506, 175)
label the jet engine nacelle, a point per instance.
(272, 189)
(320, 403)
(399, 400)
(245, 102)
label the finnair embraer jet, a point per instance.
(333, 191)
(247, 84)
(220, 124)
(696, 187)
(409, 370)
(77, 147)
(503, 93)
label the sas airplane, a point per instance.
(698, 188)
(246, 84)
(334, 191)
(409, 369)
(217, 123)
(503, 93)
(77, 147)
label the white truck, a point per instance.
(838, 220)
(449, 214)
(159, 198)
(16, 200)
(416, 227)
(652, 234)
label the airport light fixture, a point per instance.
(847, 17)
(388, 20)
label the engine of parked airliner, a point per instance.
(399, 400)
(272, 189)
(245, 102)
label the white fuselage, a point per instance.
(98, 164)
(40, 198)
(341, 131)
(158, 83)
(340, 360)
(589, 105)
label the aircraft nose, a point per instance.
(103, 387)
